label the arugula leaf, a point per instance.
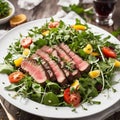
(41, 42)
(6, 68)
(87, 88)
(93, 101)
(53, 87)
(12, 87)
(37, 88)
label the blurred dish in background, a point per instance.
(17, 20)
(7, 12)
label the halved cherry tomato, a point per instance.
(15, 76)
(26, 42)
(109, 52)
(53, 24)
(72, 98)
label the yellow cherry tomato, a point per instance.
(95, 54)
(45, 33)
(79, 27)
(18, 61)
(117, 63)
(94, 73)
(26, 52)
(88, 49)
(76, 84)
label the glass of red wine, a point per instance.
(104, 10)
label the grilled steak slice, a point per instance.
(49, 70)
(35, 70)
(61, 64)
(59, 74)
(57, 59)
(64, 56)
(46, 66)
(47, 49)
(80, 64)
(62, 59)
(75, 73)
(71, 75)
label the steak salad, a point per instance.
(61, 65)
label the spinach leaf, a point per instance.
(50, 99)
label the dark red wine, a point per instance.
(104, 7)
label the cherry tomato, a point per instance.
(15, 76)
(53, 24)
(109, 52)
(26, 42)
(72, 98)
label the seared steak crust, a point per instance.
(59, 74)
(59, 61)
(79, 63)
(62, 59)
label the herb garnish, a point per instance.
(4, 9)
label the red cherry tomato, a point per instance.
(72, 98)
(26, 42)
(109, 52)
(53, 24)
(15, 76)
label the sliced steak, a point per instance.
(59, 61)
(46, 67)
(54, 55)
(76, 74)
(60, 76)
(63, 58)
(80, 64)
(49, 70)
(62, 54)
(47, 49)
(61, 64)
(35, 70)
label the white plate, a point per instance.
(47, 111)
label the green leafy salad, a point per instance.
(101, 56)
(4, 9)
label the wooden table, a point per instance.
(48, 9)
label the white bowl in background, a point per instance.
(7, 18)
